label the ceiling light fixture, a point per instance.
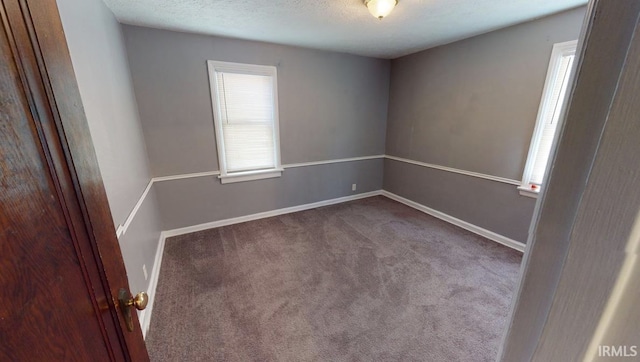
(380, 8)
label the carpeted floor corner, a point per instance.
(368, 280)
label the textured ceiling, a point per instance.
(339, 25)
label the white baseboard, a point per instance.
(145, 315)
(457, 222)
(262, 215)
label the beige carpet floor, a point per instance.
(368, 280)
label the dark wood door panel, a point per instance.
(99, 239)
(33, 71)
(60, 263)
(40, 268)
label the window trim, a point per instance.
(214, 66)
(559, 50)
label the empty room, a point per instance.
(352, 180)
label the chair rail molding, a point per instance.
(121, 229)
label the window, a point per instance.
(245, 107)
(553, 97)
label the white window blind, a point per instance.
(245, 112)
(551, 105)
(550, 118)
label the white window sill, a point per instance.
(528, 192)
(250, 175)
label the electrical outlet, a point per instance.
(144, 270)
(353, 187)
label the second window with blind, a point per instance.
(245, 110)
(549, 113)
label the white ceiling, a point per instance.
(339, 25)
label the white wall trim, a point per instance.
(457, 222)
(185, 175)
(526, 191)
(427, 210)
(250, 175)
(145, 315)
(455, 170)
(352, 159)
(122, 229)
(339, 160)
(119, 231)
(262, 215)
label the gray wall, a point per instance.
(502, 208)
(332, 106)
(140, 243)
(99, 60)
(472, 105)
(202, 199)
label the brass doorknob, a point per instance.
(127, 301)
(139, 301)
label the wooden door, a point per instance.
(60, 262)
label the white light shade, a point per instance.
(380, 8)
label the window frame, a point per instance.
(559, 51)
(215, 66)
